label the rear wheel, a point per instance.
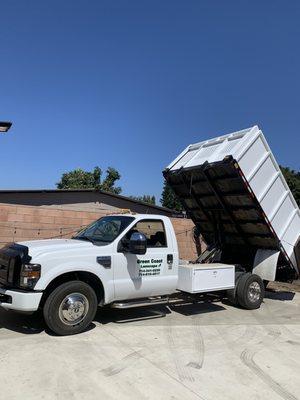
(250, 291)
(70, 308)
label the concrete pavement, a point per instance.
(190, 351)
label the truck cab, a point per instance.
(116, 258)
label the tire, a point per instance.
(70, 308)
(231, 294)
(250, 291)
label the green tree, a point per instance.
(169, 198)
(146, 198)
(80, 179)
(293, 180)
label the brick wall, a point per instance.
(19, 223)
(188, 247)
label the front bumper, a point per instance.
(19, 300)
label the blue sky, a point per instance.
(129, 84)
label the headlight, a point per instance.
(30, 274)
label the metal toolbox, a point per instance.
(198, 278)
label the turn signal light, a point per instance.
(30, 274)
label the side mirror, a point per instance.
(138, 243)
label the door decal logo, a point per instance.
(149, 267)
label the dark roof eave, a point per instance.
(117, 196)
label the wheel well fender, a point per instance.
(84, 276)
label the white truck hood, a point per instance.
(38, 247)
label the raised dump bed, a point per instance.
(232, 188)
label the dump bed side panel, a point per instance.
(271, 190)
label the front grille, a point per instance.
(12, 257)
(4, 266)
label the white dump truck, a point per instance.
(232, 189)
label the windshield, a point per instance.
(105, 230)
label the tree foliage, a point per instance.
(169, 198)
(80, 179)
(146, 198)
(293, 179)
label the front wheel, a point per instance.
(250, 291)
(70, 308)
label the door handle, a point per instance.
(170, 261)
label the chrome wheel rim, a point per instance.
(254, 292)
(73, 309)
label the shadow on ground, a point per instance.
(21, 323)
(34, 323)
(187, 308)
(279, 295)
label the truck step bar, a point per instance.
(140, 303)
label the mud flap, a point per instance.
(265, 264)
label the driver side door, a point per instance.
(137, 276)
